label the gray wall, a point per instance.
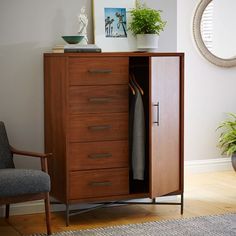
(168, 38)
(28, 28)
(209, 91)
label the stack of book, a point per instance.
(58, 49)
(71, 48)
(81, 48)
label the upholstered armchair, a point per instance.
(20, 185)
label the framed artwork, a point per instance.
(111, 19)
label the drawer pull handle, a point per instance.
(98, 184)
(100, 100)
(99, 71)
(157, 122)
(100, 155)
(99, 127)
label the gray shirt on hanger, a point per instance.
(138, 135)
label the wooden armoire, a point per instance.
(87, 125)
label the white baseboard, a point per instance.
(24, 208)
(197, 166)
(210, 165)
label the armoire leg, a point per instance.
(182, 204)
(67, 214)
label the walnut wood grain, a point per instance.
(165, 151)
(98, 99)
(54, 118)
(80, 114)
(98, 155)
(98, 71)
(97, 183)
(102, 127)
(181, 74)
(110, 55)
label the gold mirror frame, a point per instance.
(199, 41)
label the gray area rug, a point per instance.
(217, 225)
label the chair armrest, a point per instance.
(32, 154)
(42, 156)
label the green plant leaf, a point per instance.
(145, 20)
(227, 137)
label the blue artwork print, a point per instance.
(115, 22)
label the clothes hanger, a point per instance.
(136, 83)
(131, 86)
(132, 89)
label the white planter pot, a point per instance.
(147, 42)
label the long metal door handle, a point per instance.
(100, 100)
(99, 127)
(99, 155)
(100, 71)
(98, 184)
(157, 122)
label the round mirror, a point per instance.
(214, 27)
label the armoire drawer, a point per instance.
(99, 127)
(99, 183)
(97, 155)
(98, 99)
(99, 70)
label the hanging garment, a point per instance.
(137, 132)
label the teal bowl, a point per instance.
(73, 39)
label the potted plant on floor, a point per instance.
(146, 24)
(227, 139)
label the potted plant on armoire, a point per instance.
(146, 24)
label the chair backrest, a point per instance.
(6, 157)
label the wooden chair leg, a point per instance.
(48, 214)
(7, 211)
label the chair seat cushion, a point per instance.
(15, 182)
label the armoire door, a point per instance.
(164, 127)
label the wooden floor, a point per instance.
(205, 194)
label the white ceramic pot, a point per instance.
(147, 42)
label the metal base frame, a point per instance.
(69, 212)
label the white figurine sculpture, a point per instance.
(83, 23)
